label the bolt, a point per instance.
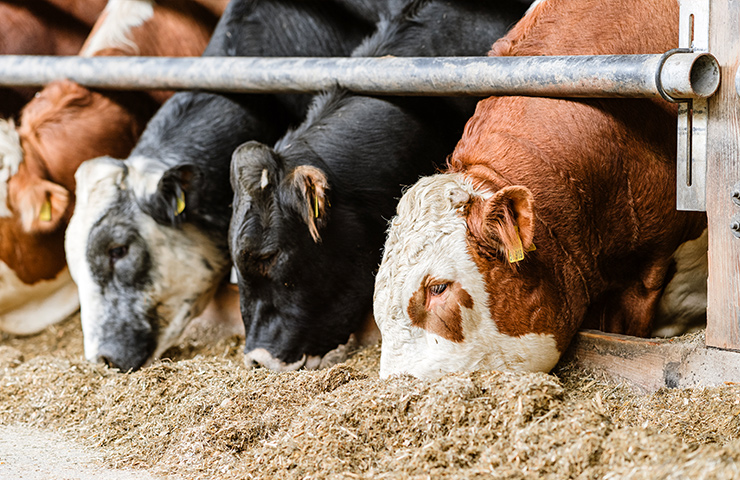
(735, 226)
(736, 194)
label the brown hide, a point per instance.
(35, 27)
(67, 124)
(38, 254)
(179, 28)
(216, 7)
(602, 173)
(102, 126)
(85, 11)
(436, 312)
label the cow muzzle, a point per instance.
(260, 356)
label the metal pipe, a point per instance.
(683, 75)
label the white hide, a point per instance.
(11, 156)
(26, 309)
(428, 236)
(181, 285)
(120, 17)
(97, 186)
(683, 306)
(178, 275)
(260, 356)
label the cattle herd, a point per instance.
(476, 233)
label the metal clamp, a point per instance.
(659, 70)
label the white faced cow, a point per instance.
(553, 214)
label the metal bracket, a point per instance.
(691, 158)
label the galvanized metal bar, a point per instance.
(684, 75)
(691, 157)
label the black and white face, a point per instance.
(140, 282)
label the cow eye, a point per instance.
(438, 289)
(117, 253)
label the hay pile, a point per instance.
(204, 415)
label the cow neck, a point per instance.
(487, 177)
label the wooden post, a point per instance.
(649, 364)
(723, 178)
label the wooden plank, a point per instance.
(650, 364)
(723, 175)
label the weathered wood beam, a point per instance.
(653, 363)
(723, 180)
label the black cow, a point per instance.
(147, 245)
(310, 214)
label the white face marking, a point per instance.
(11, 156)
(683, 305)
(27, 309)
(144, 175)
(263, 180)
(97, 186)
(175, 254)
(428, 237)
(119, 17)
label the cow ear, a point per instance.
(175, 195)
(311, 188)
(41, 205)
(253, 165)
(505, 222)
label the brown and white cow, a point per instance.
(553, 214)
(64, 125)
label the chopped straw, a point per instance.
(203, 414)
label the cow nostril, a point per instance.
(106, 361)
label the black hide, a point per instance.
(304, 296)
(192, 138)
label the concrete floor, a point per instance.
(27, 454)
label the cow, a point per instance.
(552, 214)
(64, 125)
(57, 27)
(309, 214)
(683, 305)
(147, 244)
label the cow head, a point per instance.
(31, 208)
(66, 124)
(295, 303)
(448, 298)
(143, 271)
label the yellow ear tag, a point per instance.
(517, 253)
(180, 204)
(315, 202)
(45, 213)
